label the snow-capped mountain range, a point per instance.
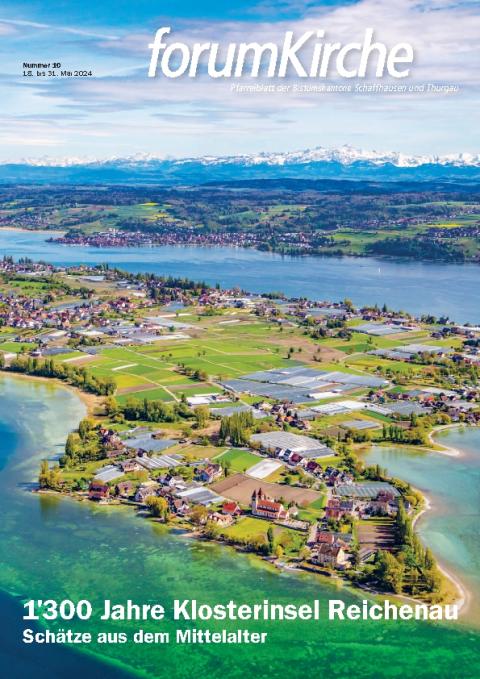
(345, 155)
(320, 163)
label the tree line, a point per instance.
(76, 376)
(148, 410)
(412, 569)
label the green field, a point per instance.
(314, 511)
(16, 347)
(239, 460)
(157, 394)
(249, 527)
(155, 371)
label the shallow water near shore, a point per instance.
(53, 547)
(452, 484)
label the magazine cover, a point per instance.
(240, 339)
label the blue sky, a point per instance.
(121, 112)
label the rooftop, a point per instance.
(366, 490)
(149, 444)
(108, 473)
(381, 329)
(160, 462)
(287, 441)
(360, 425)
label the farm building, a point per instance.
(360, 425)
(370, 489)
(281, 440)
(299, 384)
(158, 462)
(149, 444)
(108, 473)
(382, 329)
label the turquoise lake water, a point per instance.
(452, 484)
(53, 547)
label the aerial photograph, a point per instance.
(240, 339)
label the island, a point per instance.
(244, 418)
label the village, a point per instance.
(192, 490)
(242, 418)
(297, 218)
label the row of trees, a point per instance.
(413, 568)
(198, 375)
(148, 411)
(77, 377)
(415, 435)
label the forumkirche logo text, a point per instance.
(305, 56)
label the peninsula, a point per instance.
(242, 418)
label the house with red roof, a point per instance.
(98, 490)
(231, 508)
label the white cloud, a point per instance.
(444, 35)
(12, 24)
(6, 29)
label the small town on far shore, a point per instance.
(246, 419)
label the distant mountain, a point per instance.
(315, 164)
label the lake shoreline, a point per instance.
(300, 253)
(464, 595)
(22, 229)
(368, 280)
(92, 401)
(193, 533)
(445, 450)
(277, 565)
